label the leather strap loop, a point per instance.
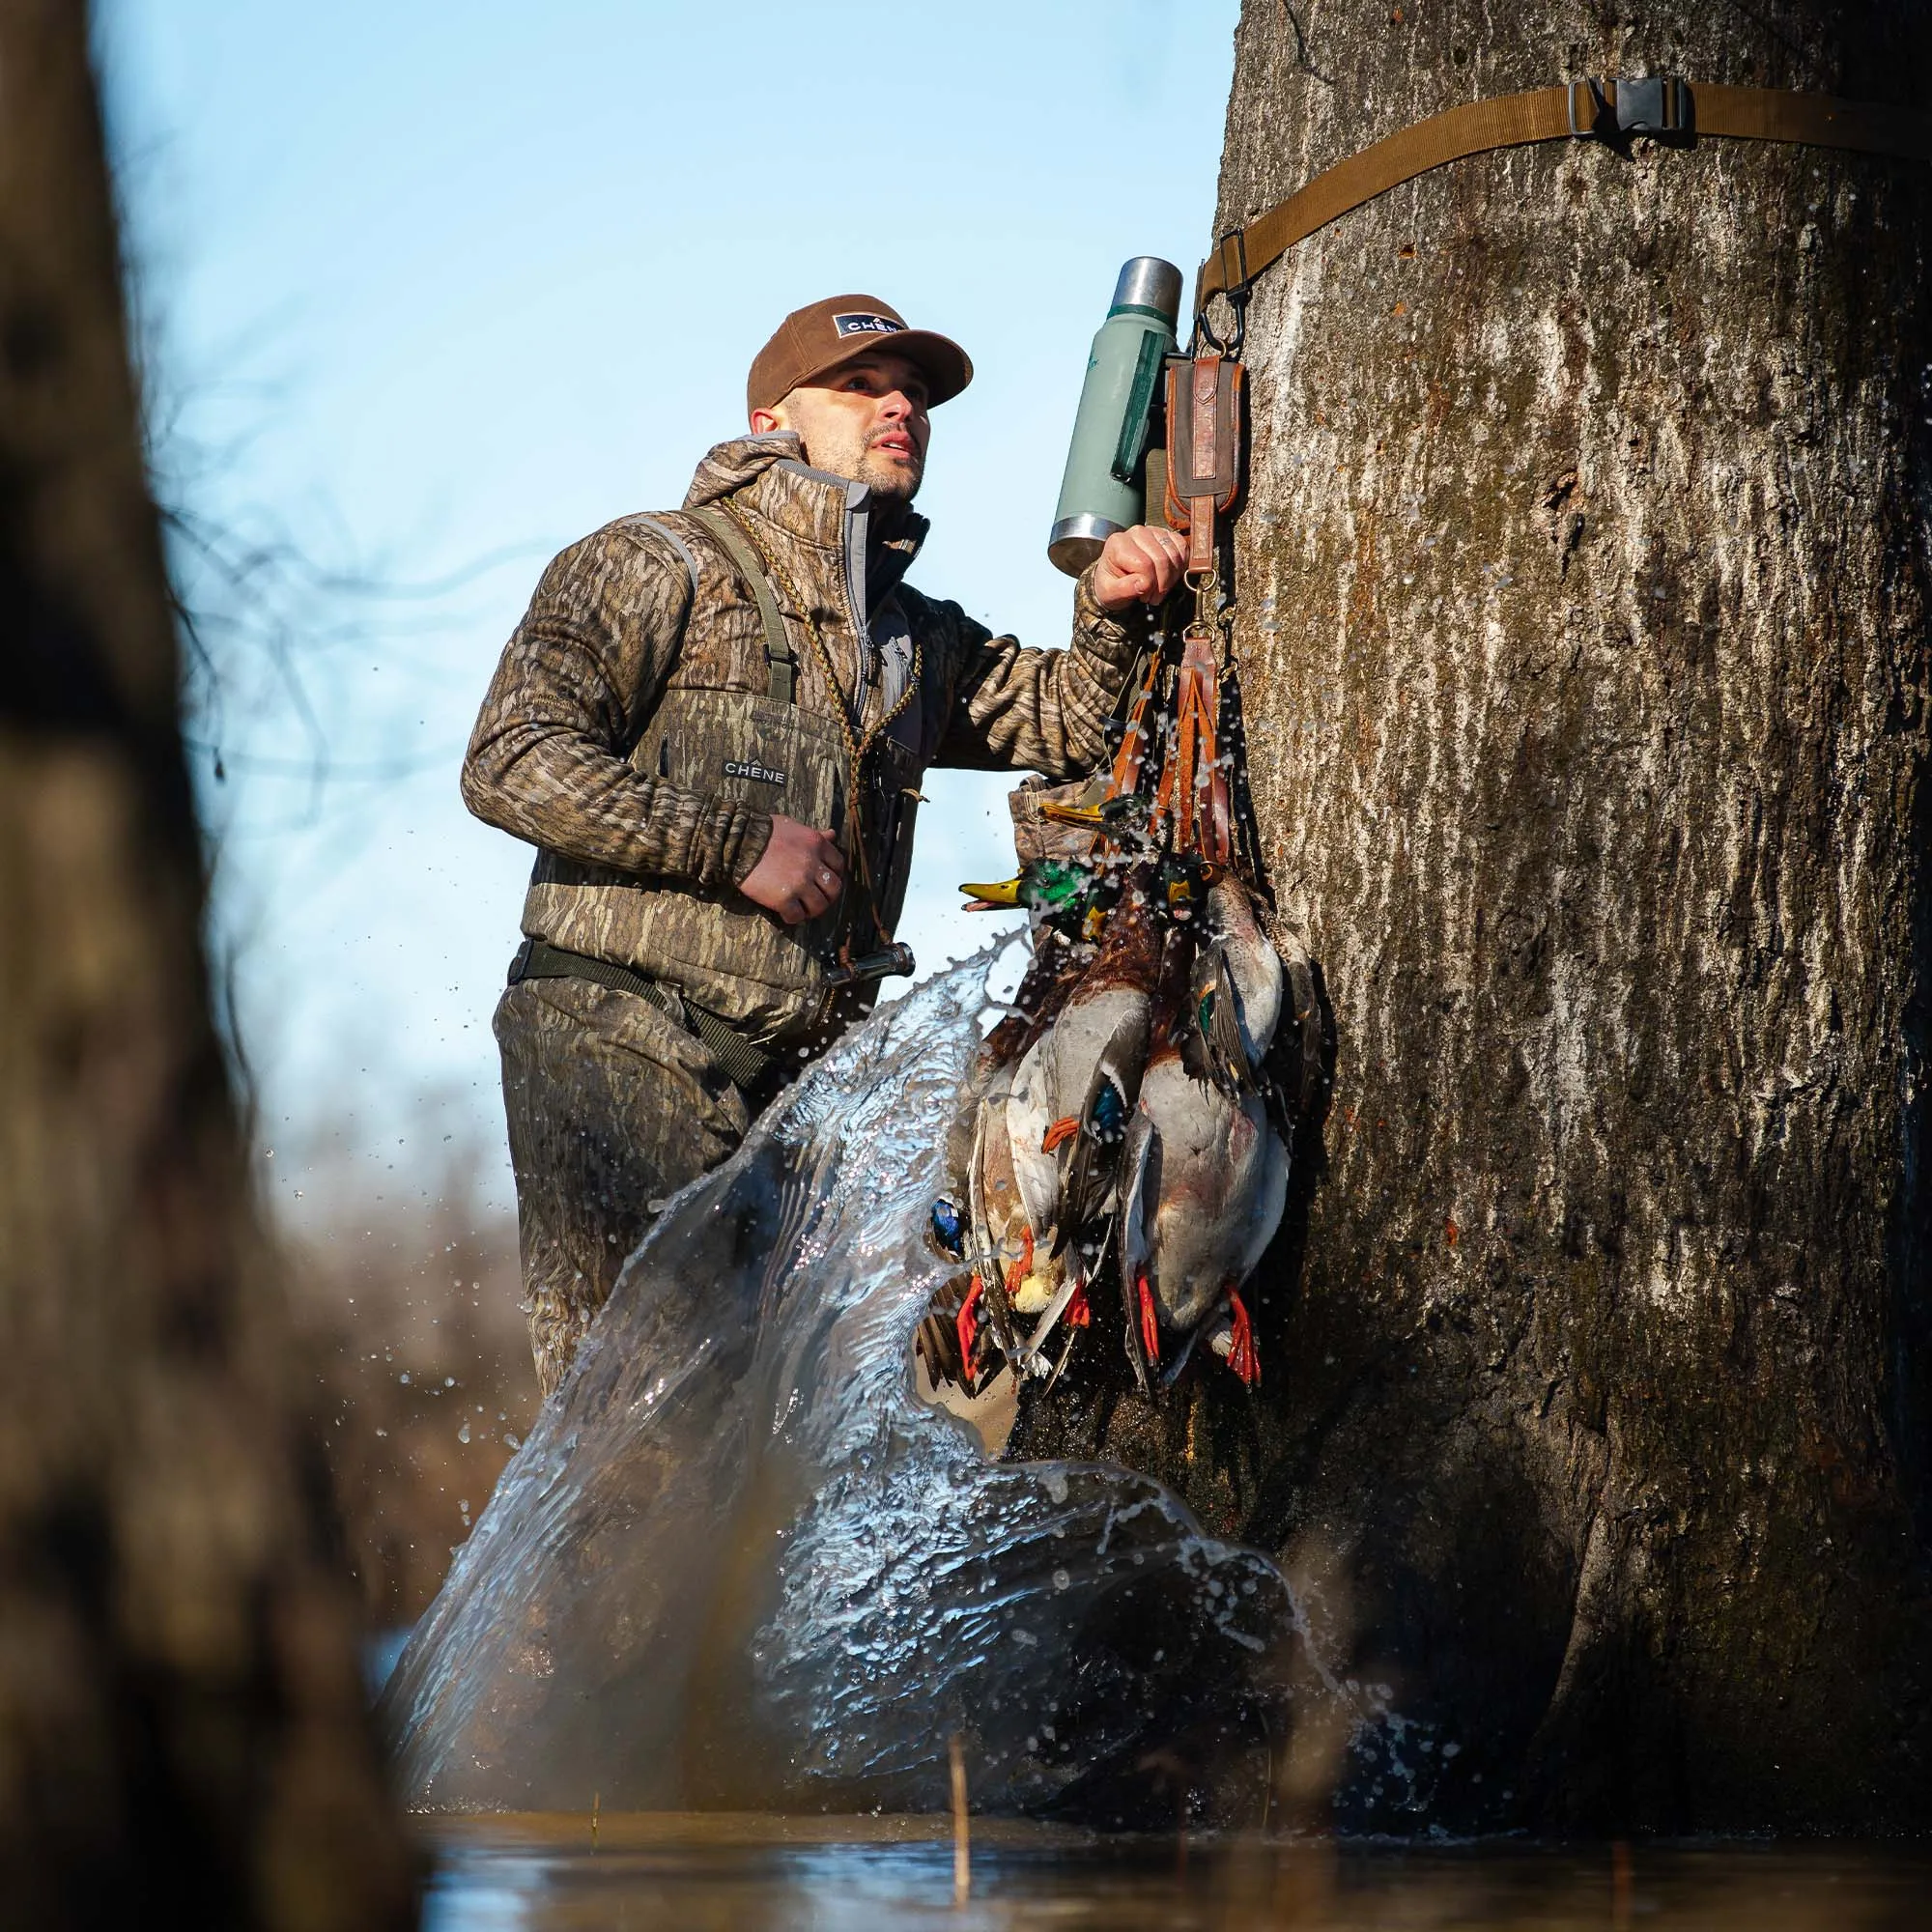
(1582, 109)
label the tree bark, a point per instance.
(182, 1725)
(1582, 619)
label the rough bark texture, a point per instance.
(1583, 616)
(182, 1728)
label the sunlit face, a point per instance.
(866, 420)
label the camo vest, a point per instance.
(729, 724)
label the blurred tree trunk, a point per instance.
(1583, 617)
(182, 1726)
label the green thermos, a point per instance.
(1104, 488)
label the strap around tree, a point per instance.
(1655, 105)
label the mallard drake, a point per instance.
(1069, 1109)
(1202, 1184)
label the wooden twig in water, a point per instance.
(962, 1830)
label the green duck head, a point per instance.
(1055, 888)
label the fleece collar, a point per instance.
(767, 477)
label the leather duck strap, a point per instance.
(1665, 108)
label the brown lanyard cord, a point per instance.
(858, 746)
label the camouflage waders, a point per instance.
(611, 1106)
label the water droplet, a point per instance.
(463, 1434)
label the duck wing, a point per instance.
(1100, 1047)
(1087, 1188)
(1254, 967)
(1031, 1111)
(1214, 1044)
(1140, 1174)
(1217, 1191)
(999, 1219)
(1270, 1200)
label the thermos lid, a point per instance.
(1149, 282)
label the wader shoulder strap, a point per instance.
(780, 663)
(1655, 105)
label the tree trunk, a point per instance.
(182, 1726)
(1584, 625)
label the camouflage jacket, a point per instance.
(645, 827)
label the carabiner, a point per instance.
(1236, 301)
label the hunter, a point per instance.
(712, 723)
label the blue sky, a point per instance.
(434, 290)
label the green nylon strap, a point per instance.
(741, 1063)
(780, 663)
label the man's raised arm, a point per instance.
(1047, 711)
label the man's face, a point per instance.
(866, 420)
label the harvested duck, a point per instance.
(1205, 1182)
(1068, 1114)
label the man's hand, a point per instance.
(1138, 566)
(800, 875)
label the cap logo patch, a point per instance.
(867, 324)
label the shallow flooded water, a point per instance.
(753, 1873)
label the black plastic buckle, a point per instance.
(1656, 104)
(1653, 104)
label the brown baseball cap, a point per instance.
(811, 342)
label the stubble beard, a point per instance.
(853, 457)
(891, 481)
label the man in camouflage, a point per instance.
(712, 725)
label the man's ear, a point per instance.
(764, 421)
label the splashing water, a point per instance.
(740, 1563)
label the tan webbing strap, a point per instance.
(780, 666)
(1812, 120)
(1581, 109)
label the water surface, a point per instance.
(751, 1873)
